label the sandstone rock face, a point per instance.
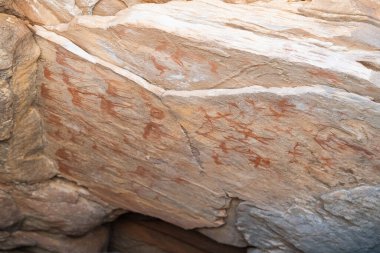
(260, 132)
(38, 210)
(148, 145)
(21, 131)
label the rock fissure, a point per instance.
(194, 151)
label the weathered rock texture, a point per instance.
(256, 123)
(146, 235)
(37, 209)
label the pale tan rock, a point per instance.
(240, 1)
(108, 7)
(134, 2)
(286, 137)
(271, 117)
(28, 199)
(361, 10)
(174, 110)
(186, 56)
(47, 11)
(122, 143)
(247, 148)
(87, 6)
(273, 126)
(52, 12)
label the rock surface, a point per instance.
(147, 235)
(38, 210)
(342, 221)
(260, 132)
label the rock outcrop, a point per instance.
(38, 209)
(257, 123)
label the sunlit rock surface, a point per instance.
(255, 122)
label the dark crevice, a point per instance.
(136, 233)
(194, 151)
(370, 65)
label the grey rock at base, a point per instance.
(342, 221)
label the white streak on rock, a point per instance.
(321, 54)
(71, 47)
(321, 90)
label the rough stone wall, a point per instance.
(260, 132)
(38, 210)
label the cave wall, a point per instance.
(256, 124)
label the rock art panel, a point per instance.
(38, 210)
(286, 137)
(122, 143)
(185, 55)
(258, 131)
